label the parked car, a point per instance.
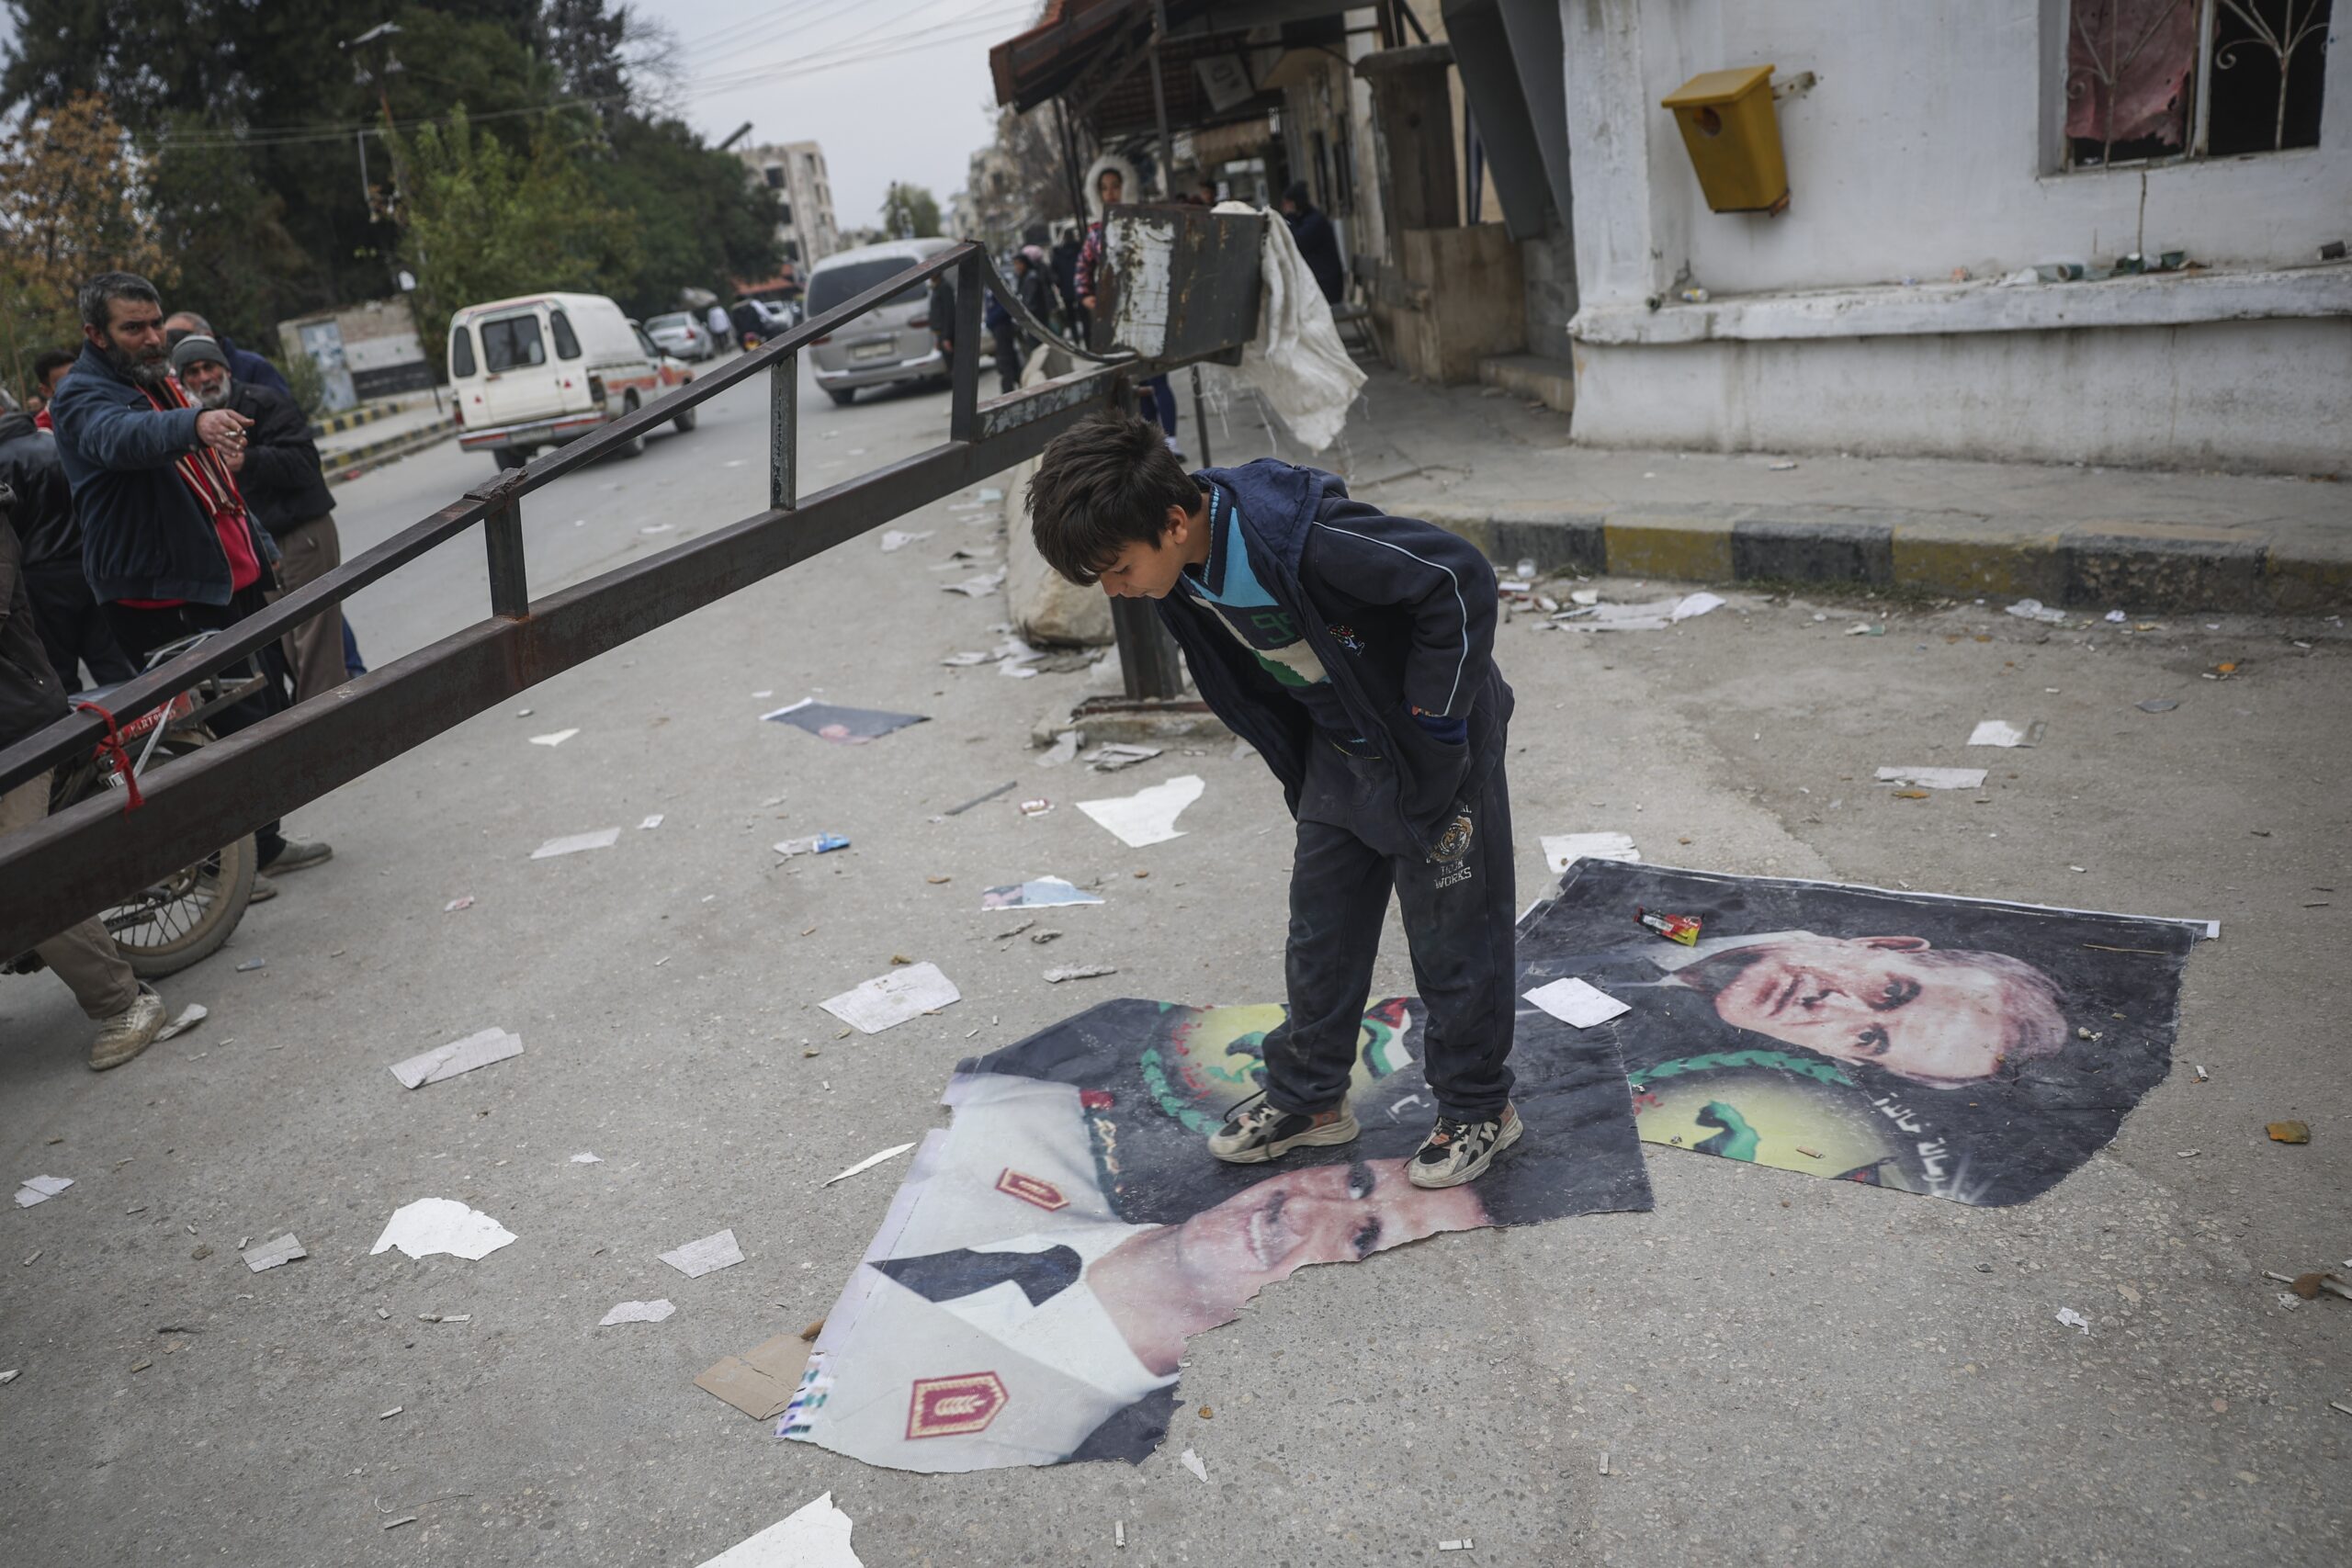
(668, 369)
(891, 343)
(681, 332)
(540, 370)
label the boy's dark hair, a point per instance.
(49, 359)
(1100, 485)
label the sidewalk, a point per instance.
(346, 454)
(1500, 472)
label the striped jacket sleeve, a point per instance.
(1439, 578)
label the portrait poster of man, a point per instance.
(1031, 1288)
(1956, 1047)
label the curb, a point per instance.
(353, 461)
(334, 424)
(2155, 566)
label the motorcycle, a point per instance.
(187, 916)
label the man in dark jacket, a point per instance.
(1319, 243)
(166, 542)
(1064, 270)
(73, 631)
(1354, 650)
(129, 1013)
(244, 363)
(278, 472)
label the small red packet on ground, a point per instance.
(1683, 929)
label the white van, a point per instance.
(540, 370)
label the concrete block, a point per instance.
(2175, 566)
(1786, 546)
(1970, 558)
(1685, 543)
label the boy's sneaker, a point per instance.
(128, 1032)
(1456, 1152)
(1262, 1133)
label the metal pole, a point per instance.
(509, 592)
(1159, 101)
(1200, 420)
(964, 397)
(784, 432)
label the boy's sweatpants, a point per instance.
(1458, 923)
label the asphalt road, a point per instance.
(1782, 1369)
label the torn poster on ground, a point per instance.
(442, 1224)
(1031, 1287)
(1958, 1047)
(887, 1000)
(842, 726)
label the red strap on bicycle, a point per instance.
(113, 744)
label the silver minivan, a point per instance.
(891, 343)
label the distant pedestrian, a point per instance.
(1319, 243)
(1205, 192)
(73, 631)
(1003, 334)
(1065, 272)
(279, 475)
(749, 331)
(50, 367)
(244, 364)
(942, 316)
(166, 542)
(721, 329)
(129, 1013)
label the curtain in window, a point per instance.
(2128, 69)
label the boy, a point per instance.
(1354, 651)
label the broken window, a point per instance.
(2155, 81)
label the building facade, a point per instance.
(796, 172)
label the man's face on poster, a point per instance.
(1873, 999)
(1330, 1214)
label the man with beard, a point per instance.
(167, 541)
(244, 363)
(278, 472)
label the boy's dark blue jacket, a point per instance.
(1401, 613)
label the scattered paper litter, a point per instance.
(967, 660)
(2158, 704)
(1573, 1001)
(1561, 849)
(41, 1190)
(653, 821)
(814, 844)
(1999, 732)
(442, 1224)
(900, 538)
(602, 838)
(815, 1537)
(868, 1163)
(2035, 609)
(887, 1000)
(1587, 596)
(1655, 615)
(991, 494)
(191, 1016)
(1464, 1543)
(480, 1050)
(584, 1157)
(558, 738)
(708, 1256)
(1111, 758)
(1192, 1461)
(465, 901)
(2073, 1320)
(841, 726)
(1038, 893)
(1695, 605)
(978, 587)
(1934, 778)
(1065, 747)
(270, 1254)
(2116, 616)
(252, 964)
(639, 1312)
(1077, 972)
(1148, 816)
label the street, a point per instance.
(1765, 1369)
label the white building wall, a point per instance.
(1931, 141)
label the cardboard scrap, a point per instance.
(1561, 850)
(888, 1001)
(270, 1254)
(1934, 778)
(814, 1536)
(639, 1312)
(1148, 816)
(442, 1224)
(41, 1190)
(190, 1016)
(443, 1062)
(1575, 1002)
(762, 1381)
(602, 838)
(708, 1256)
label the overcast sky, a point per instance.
(893, 89)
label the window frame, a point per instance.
(2196, 144)
(511, 323)
(464, 364)
(560, 329)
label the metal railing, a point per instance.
(92, 854)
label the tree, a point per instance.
(698, 222)
(481, 221)
(227, 255)
(69, 208)
(909, 213)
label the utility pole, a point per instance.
(373, 53)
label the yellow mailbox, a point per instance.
(1734, 141)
